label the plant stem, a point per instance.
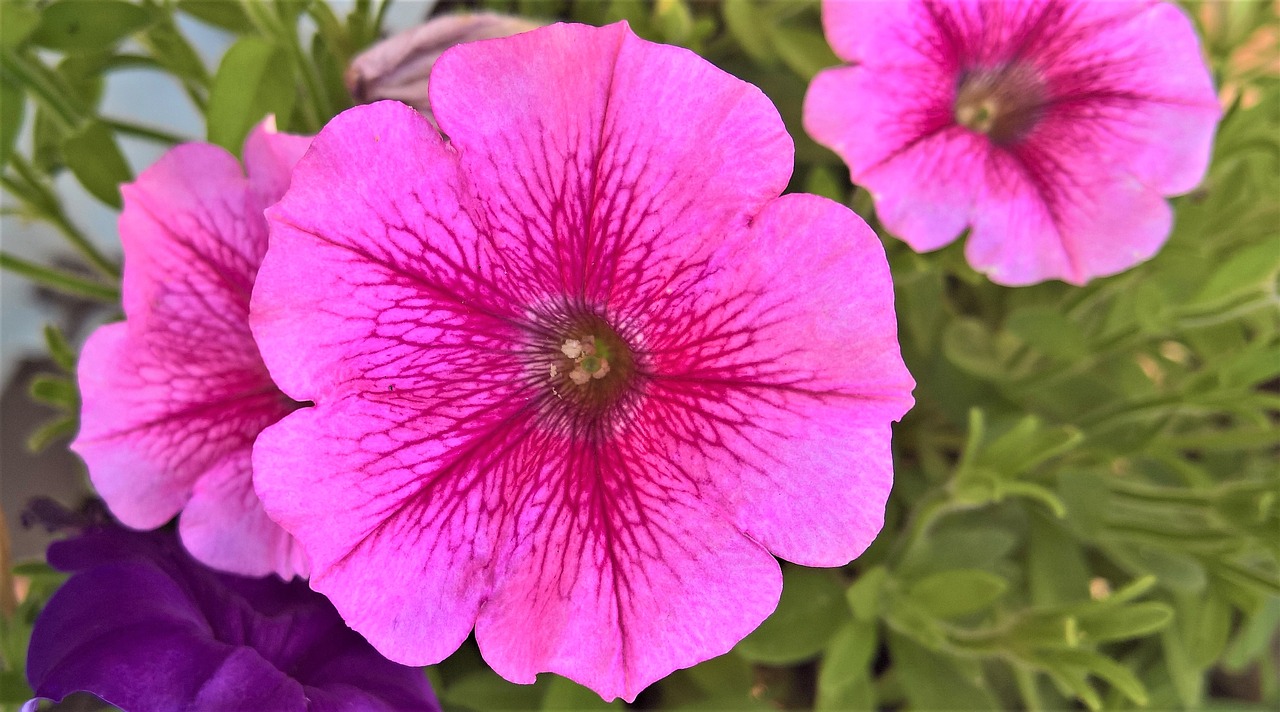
(57, 279)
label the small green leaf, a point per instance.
(17, 21)
(168, 46)
(1049, 331)
(51, 432)
(674, 20)
(933, 681)
(960, 592)
(1245, 270)
(59, 350)
(484, 690)
(844, 680)
(249, 85)
(54, 390)
(75, 26)
(12, 108)
(1125, 622)
(219, 13)
(864, 594)
(812, 606)
(742, 18)
(1056, 568)
(96, 160)
(805, 52)
(565, 694)
(1026, 445)
(1254, 636)
(1107, 669)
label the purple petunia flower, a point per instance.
(579, 372)
(1052, 129)
(145, 627)
(175, 395)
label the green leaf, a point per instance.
(1254, 636)
(968, 344)
(1246, 270)
(51, 432)
(675, 21)
(864, 595)
(1056, 569)
(219, 13)
(17, 21)
(484, 690)
(1125, 622)
(1049, 331)
(59, 350)
(75, 26)
(12, 108)
(844, 680)
(96, 160)
(1026, 445)
(565, 694)
(822, 180)
(933, 681)
(959, 592)
(1107, 669)
(249, 85)
(167, 45)
(805, 52)
(743, 20)
(811, 607)
(13, 687)
(54, 390)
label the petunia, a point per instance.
(1051, 129)
(579, 372)
(175, 395)
(145, 627)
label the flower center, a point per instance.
(590, 370)
(1003, 102)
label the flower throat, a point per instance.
(1005, 103)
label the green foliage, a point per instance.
(1086, 507)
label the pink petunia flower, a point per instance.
(175, 395)
(1052, 129)
(578, 372)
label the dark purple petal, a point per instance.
(145, 627)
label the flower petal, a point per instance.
(581, 178)
(143, 653)
(623, 572)
(412, 248)
(224, 525)
(923, 171)
(179, 390)
(1034, 223)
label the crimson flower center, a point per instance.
(1005, 103)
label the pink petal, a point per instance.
(269, 158)
(224, 525)
(179, 392)
(1027, 230)
(399, 538)
(623, 573)
(567, 150)
(391, 253)
(794, 383)
(922, 170)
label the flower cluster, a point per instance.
(558, 363)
